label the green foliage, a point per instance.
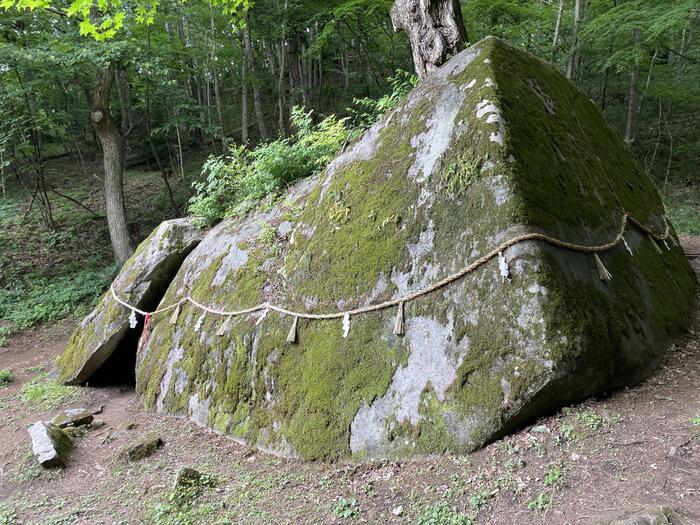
(590, 419)
(479, 499)
(460, 174)
(5, 377)
(683, 209)
(236, 182)
(541, 502)
(43, 299)
(346, 508)
(181, 505)
(695, 420)
(8, 516)
(443, 514)
(44, 393)
(554, 476)
(368, 110)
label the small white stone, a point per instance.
(397, 511)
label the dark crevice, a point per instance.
(119, 368)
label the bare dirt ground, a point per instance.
(637, 447)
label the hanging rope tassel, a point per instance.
(132, 320)
(399, 328)
(198, 324)
(262, 317)
(346, 325)
(145, 333)
(292, 335)
(603, 272)
(656, 246)
(503, 267)
(224, 326)
(624, 241)
(176, 314)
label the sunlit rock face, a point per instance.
(493, 145)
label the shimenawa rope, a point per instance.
(400, 301)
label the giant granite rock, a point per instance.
(493, 145)
(142, 281)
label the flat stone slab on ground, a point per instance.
(72, 417)
(140, 448)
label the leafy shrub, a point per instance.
(369, 110)
(5, 377)
(42, 300)
(237, 181)
(346, 508)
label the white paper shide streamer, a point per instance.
(503, 267)
(346, 325)
(198, 324)
(132, 319)
(624, 241)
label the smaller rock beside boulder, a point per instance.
(72, 417)
(654, 515)
(140, 448)
(50, 444)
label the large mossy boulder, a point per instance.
(493, 145)
(142, 282)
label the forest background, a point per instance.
(205, 108)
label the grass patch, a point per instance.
(183, 505)
(45, 393)
(37, 300)
(8, 516)
(683, 208)
(443, 514)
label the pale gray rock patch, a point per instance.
(433, 360)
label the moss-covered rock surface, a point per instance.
(493, 145)
(141, 283)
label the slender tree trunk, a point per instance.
(646, 89)
(575, 53)
(214, 71)
(257, 101)
(121, 81)
(435, 29)
(244, 104)
(113, 159)
(632, 94)
(557, 32)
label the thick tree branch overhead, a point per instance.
(435, 29)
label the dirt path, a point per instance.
(637, 447)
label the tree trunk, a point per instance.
(557, 32)
(244, 104)
(121, 80)
(435, 29)
(113, 158)
(575, 53)
(632, 94)
(257, 101)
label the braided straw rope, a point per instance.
(626, 218)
